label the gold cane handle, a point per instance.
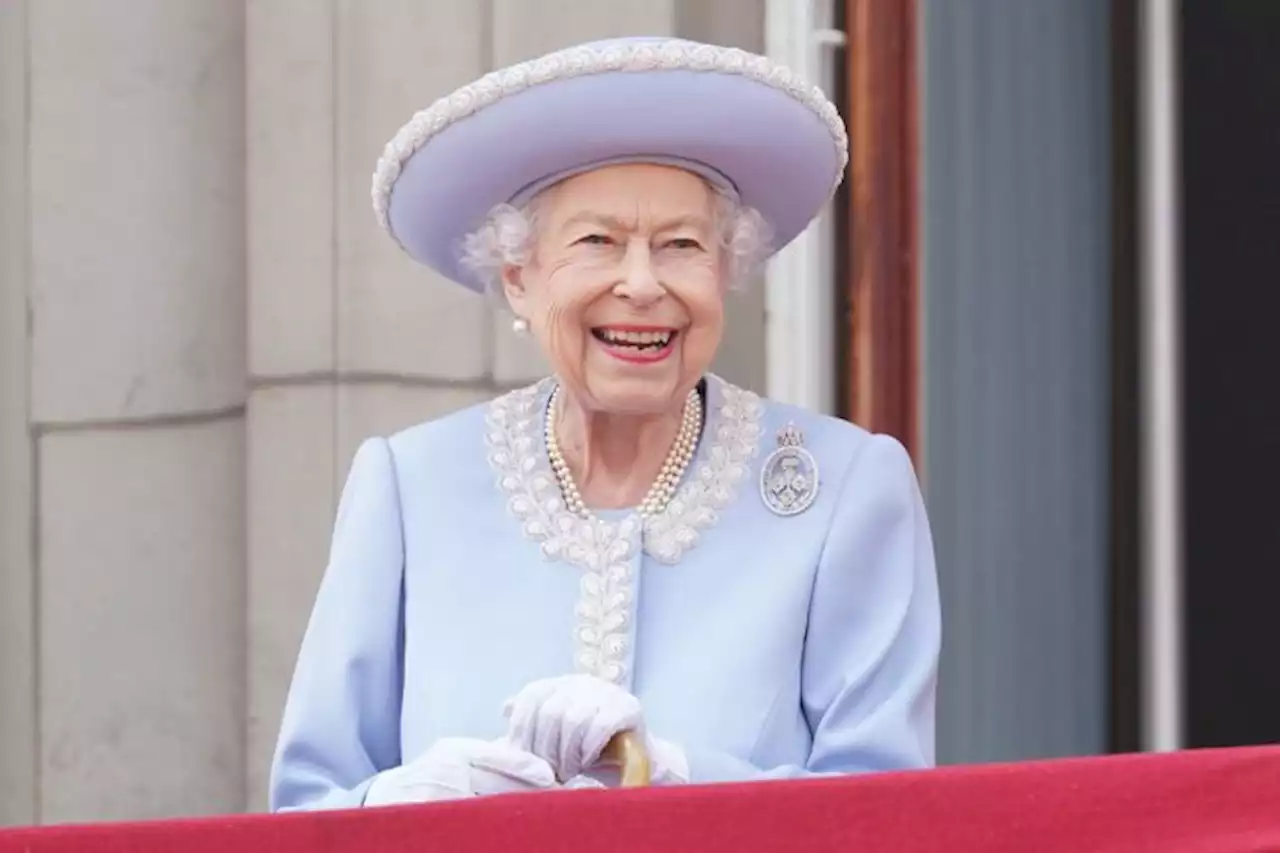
(626, 749)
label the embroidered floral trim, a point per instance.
(605, 549)
(595, 59)
(714, 485)
(601, 548)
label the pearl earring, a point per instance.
(520, 325)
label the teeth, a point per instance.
(636, 338)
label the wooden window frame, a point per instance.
(880, 333)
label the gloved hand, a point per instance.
(455, 768)
(568, 721)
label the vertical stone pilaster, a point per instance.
(349, 338)
(290, 71)
(396, 319)
(18, 723)
(136, 246)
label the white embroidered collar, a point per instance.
(730, 440)
(604, 549)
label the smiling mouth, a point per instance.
(637, 341)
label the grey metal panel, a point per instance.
(1016, 284)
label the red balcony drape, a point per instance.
(1211, 801)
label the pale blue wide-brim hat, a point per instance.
(740, 120)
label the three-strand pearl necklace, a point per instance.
(668, 480)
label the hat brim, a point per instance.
(778, 151)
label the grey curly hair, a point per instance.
(507, 239)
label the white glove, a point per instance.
(455, 768)
(568, 721)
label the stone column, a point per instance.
(135, 255)
(349, 338)
(18, 725)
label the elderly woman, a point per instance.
(633, 544)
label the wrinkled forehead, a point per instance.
(628, 194)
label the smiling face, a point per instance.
(625, 288)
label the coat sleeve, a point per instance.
(341, 723)
(869, 675)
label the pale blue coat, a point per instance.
(765, 646)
